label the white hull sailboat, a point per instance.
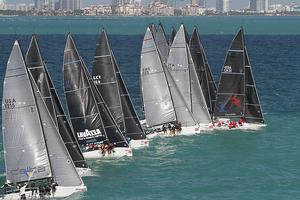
(35, 154)
(237, 104)
(91, 119)
(110, 84)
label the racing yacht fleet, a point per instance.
(47, 149)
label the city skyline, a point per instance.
(234, 4)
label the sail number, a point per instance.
(146, 71)
(97, 79)
(9, 103)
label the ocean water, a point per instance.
(233, 164)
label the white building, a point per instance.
(193, 10)
(158, 8)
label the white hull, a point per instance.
(245, 126)
(84, 171)
(137, 144)
(116, 153)
(189, 130)
(61, 193)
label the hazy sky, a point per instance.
(235, 4)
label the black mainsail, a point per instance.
(41, 77)
(90, 116)
(172, 36)
(105, 79)
(237, 95)
(203, 71)
(162, 42)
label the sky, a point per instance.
(234, 4)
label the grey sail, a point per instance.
(82, 105)
(183, 113)
(177, 65)
(157, 100)
(172, 36)
(198, 103)
(113, 132)
(133, 127)
(25, 151)
(105, 79)
(203, 70)
(162, 42)
(253, 111)
(231, 90)
(63, 168)
(39, 72)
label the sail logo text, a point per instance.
(97, 79)
(9, 103)
(89, 134)
(227, 69)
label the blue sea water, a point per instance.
(234, 164)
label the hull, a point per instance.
(116, 153)
(137, 144)
(223, 124)
(60, 193)
(189, 130)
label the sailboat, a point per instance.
(182, 69)
(110, 84)
(97, 132)
(204, 73)
(237, 96)
(162, 101)
(37, 68)
(34, 151)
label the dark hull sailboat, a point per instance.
(203, 71)
(237, 95)
(33, 148)
(110, 84)
(39, 72)
(90, 117)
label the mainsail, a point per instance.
(25, 150)
(41, 77)
(105, 79)
(133, 127)
(158, 104)
(237, 95)
(203, 71)
(162, 42)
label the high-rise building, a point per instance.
(70, 5)
(222, 6)
(202, 3)
(262, 5)
(253, 5)
(194, 2)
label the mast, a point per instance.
(133, 127)
(203, 70)
(24, 143)
(104, 78)
(37, 68)
(231, 90)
